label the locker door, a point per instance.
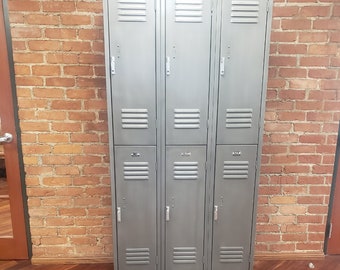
(241, 70)
(136, 207)
(188, 25)
(132, 50)
(185, 188)
(234, 197)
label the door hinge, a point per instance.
(157, 260)
(330, 231)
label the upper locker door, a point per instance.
(136, 207)
(132, 51)
(241, 70)
(188, 30)
(185, 189)
(233, 202)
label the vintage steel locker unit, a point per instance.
(186, 82)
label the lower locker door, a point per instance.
(185, 192)
(234, 198)
(136, 207)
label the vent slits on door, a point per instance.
(239, 118)
(136, 171)
(137, 256)
(135, 118)
(184, 255)
(245, 11)
(185, 170)
(235, 170)
(231, 254)
(187, 118)
(189, 11)
(132, 11)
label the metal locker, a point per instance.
(188, 31)
(243, 37)
(185, 197)
(132, 60)
(233, 204)
(136, 207)
(172, 63)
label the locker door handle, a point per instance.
(168, 66)
(119, 214)
(113, 65)
(222, 64)
(215, 212)
(167, 213)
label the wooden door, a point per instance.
(13, 239)
(333, 232)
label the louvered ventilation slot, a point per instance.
(136, 171)
(187, 118)
(231, 254)
(137, 256)
(132, 11)
(185, 170)
(187, 11)
(135, 118)
(239, 118)
(235, 170)
(246, 11)
(184, 255)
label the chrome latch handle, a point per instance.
(168, 67)
(7, 138)
(113, 65)
(119, 214)
(167, 213)
(215, 212)
(222, 66)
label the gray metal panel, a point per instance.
(136, 207)
(132, 44)
(188, 31)
(234, 198)
(185, 196)
(241, 82)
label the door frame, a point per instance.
(21, 233)
(335, 189)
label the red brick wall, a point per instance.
(303, 110)
(59, 64)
